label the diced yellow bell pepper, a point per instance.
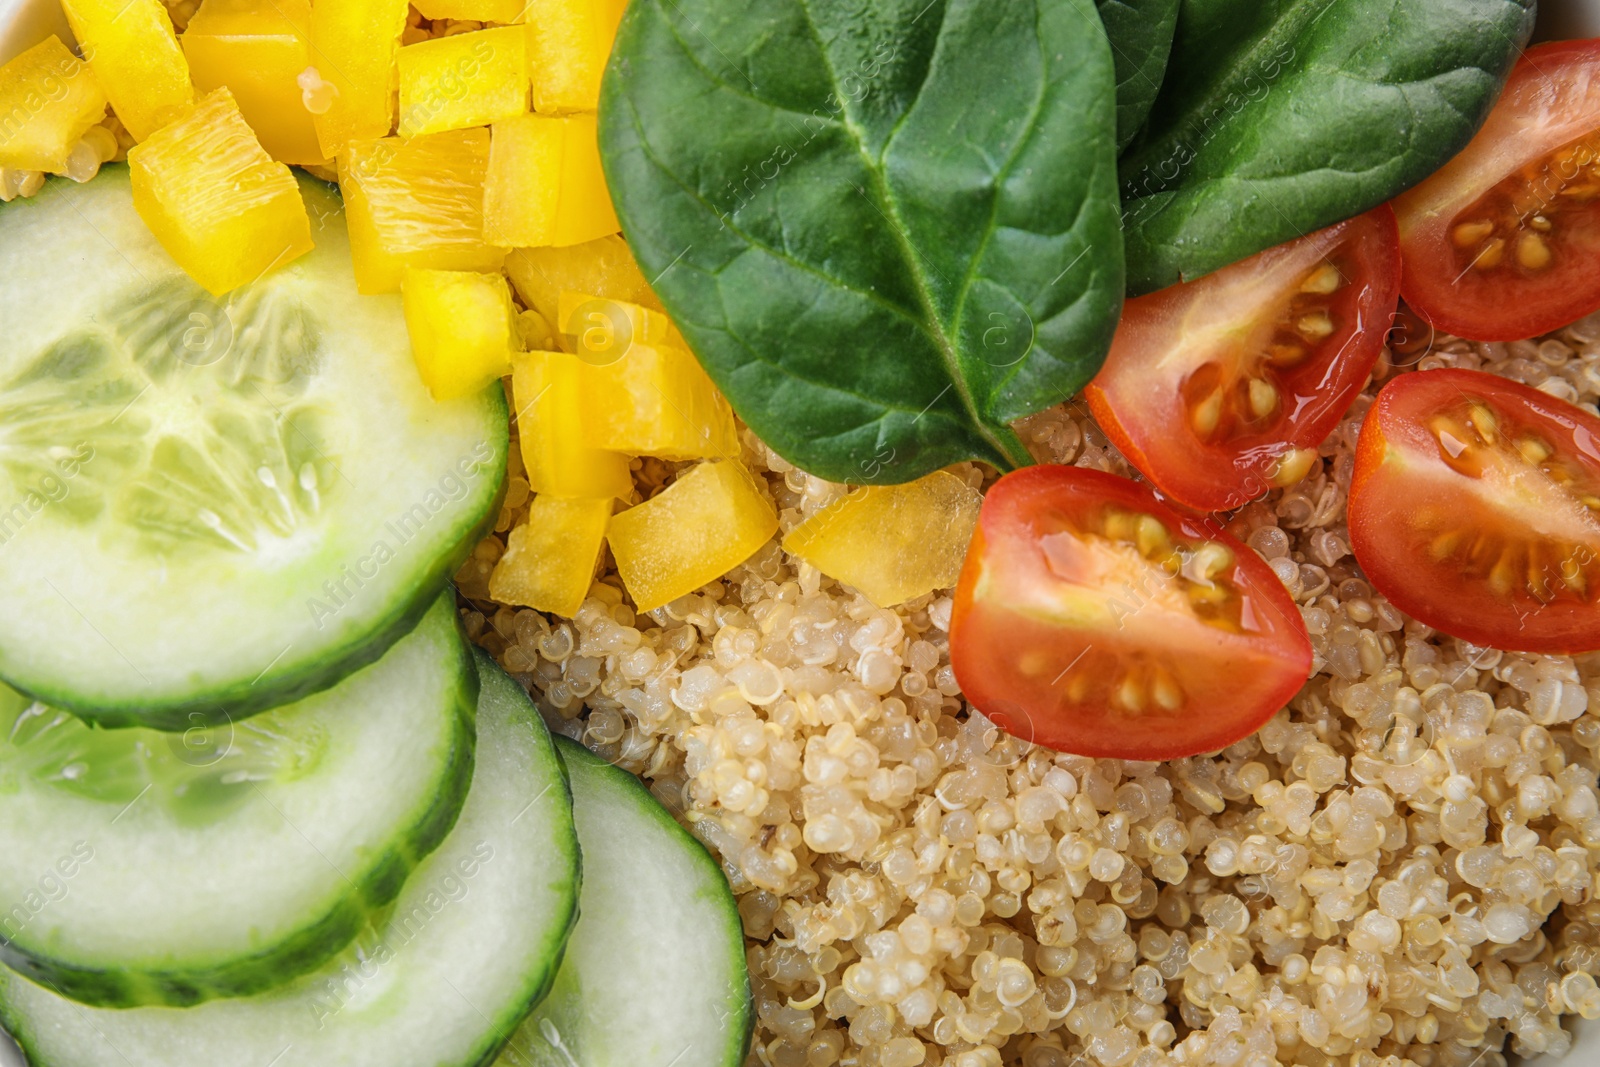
(550, 560)
(416, 203)
(461, 324)
(130, 46)
(477, 10)
(700, 527)
(604, 267)
(569, 42)
(466, 79)
(258, 49)
(353, 49)
(601, 327)
(545, 186)
(656, 401)
(892, 542)
(223, 208)
(544, 388)
(48, 98)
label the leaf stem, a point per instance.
(1011, 447)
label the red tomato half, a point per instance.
(1475, 507)
(1221, 388)
(1504, 240)
(1092, 618)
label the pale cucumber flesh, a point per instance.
(470, 945)
(143, 867)
(655, 974)
(213, 506)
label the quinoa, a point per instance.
(1399, 868)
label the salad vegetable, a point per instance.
(1221, 388)
(1279, 117)
(1268, 808)
(885, 234)
(1501, 243)
(177, 463)
(1475, 507)
(1140, 34)
(226, 861)
(1093, 618)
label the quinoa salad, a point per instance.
(687, 533)
(1396, 869)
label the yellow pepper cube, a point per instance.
(461, 325)
(604, 267)
(48, 98)
(223, 208)
(550, 560)
(353, 51)
(892, 542)
(600, 328)
(544, 388)
(656, 401)
(258, 49)
(466, 79)
(416, 203)
(569, 42)
(545, 186)
(700, 527)
(135, 57)
(476, 10)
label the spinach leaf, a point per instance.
(1278, 117)
(886, 229)
(1140, 32)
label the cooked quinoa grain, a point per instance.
(1400, 868)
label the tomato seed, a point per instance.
(1442, 546)
(1263, 398)
(1292, 466)
(1468, 234)
(1209, 561)
(1204, 416)
(1532, 252)
(1315, 326)
(1534, 451)
(1166, 691)
(1151, 537)
(1324, 280)
(1281, 355)
(1484, 422)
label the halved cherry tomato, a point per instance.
(1504, 240)
(1221, 388)
(1475, 507)
(1092, 618)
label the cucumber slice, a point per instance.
(158, 868)
(655, 971)
(472, 943)
(213, 506)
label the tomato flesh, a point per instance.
(1221, 388)
(1092, 618)
(1503, 242)
(1475, 508)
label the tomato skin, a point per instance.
(1143, 396)
(1510, 174)
(1408, 502)
(1031, 606)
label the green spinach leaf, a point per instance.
(1140, 32)
(1278, 117)
(887, 229)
